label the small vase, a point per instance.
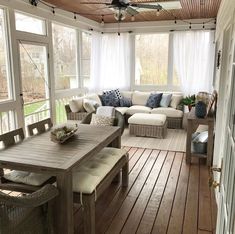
(200, 109)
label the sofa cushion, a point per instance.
(122, 110)
(127, 94)
(147, 119)
(166, 100)
(110, 99)
(168, 111)
(140, 98)
(138, 109)
(154, 100)
(125, 102)
(76, 105)
(175, 100)
(94, 97)
(108, 111)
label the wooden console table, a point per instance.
(193, 123)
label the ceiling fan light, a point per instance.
(120, 14)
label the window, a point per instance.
(151, 63)
(5, 86)
(65, 57)
(30, 24)
(86, 58)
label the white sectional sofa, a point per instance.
(174, 112)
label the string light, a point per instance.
(203, 25)
(175, 20)
(53, 10)
(102, 21)
(158, 12)
(75, 16)
(190, 25)
(132, 18)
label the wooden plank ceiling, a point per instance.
(191, 9)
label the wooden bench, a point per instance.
(92, 178)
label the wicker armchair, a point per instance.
(119, 120)
(27, 214)
(74, 115)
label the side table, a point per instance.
(193, 123)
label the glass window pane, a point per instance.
(7, 121)
(30, 24)
(151, 62)
(34, 72)
(5, 88)
(65, 57)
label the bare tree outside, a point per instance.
(65, 57)
(151, 62)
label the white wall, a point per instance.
(225, 31)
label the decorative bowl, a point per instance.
(62, 133)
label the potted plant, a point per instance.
(189, 101)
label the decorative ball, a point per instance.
(200, 109)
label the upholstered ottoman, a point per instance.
(150, 125)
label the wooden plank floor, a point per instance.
(165, 195)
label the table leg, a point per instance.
(188, 143)
(116, 142)
(64, 204)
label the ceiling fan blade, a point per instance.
(132, 11)
(96, 3)
(147, 6)
(167, 5)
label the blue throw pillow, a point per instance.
(110, 99)
(125, 102)
(166, 100)
(154, 100)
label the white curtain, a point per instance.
(194, 60)
(110, 61)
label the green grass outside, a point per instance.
(60, 111)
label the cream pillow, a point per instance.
(94, 97)
(175, 100)
(89, 105)
(140, 98)
(101, 120)
(76, 105)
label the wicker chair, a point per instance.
(119, 120)
(27, 214)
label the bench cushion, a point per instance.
(147, 119)
(122, 110)
(28, 178)
(88, 176)
(138, 109)
(168, 111)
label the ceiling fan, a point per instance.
(123, 7)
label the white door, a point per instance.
(226, 206)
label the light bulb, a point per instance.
(158, 12)
(132, 18)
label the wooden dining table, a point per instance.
(39, 154)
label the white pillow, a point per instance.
(94, 97)
(140, 98)
(101, 120)
(76, 105)
(175, 100)
(90, 105)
